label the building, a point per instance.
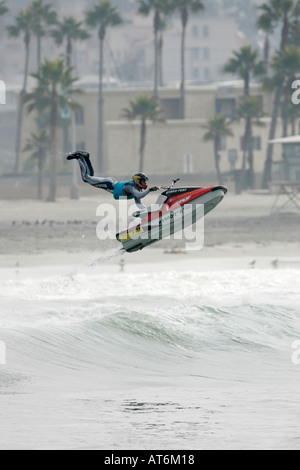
(289, 168)
(175, 147)
(129, 48)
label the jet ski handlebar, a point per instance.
(171, 185)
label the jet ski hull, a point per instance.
(176, 214)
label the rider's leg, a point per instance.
(87, 174)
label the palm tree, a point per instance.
(38, 145)
(286, 68)
(294, 36)
(246, 64)
(68, 30)
(249, 109)
(160, 44)
(102, 15)
(159, 8)
(185, 7)
(265, 24)
(24, 25)
(54, 92)
(44, 17)
(276, 12)
(273, 14)
(3, 8)
(145, 109)
(216, 129)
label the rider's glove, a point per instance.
(155, 188)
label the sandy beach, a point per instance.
(242, 227)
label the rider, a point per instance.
(136, 188)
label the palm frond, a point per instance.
(103, 14)
(216, 128)
(3, 8)
(144, 107)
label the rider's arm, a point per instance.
(141, 207)
(138, 195)
(135, 192)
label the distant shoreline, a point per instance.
(66, 230)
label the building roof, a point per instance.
(295, 139)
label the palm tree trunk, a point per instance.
(247, 85)
(246, 149)
(100, 109)
(269, 159)
(69, 53)
(182, 85)
(39, 60)
(156, 53)
(216, 152)
(21, 106)
(285, 33)
(285, 105)
(142, 144)
(251, 157)
(66, 127)
(160, 60)
(278, 92)
(40, 176)
(53, 182)
(267, 53)
(39, 50)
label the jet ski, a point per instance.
(176, 209)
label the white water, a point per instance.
(167, 360)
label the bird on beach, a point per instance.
(252, 264)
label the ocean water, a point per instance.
(160, 360)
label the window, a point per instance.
(195, 31)
(206, 73)
(195, 53)
(297, 150)
(205, 31)
(170, 108)
(225, 106)
(195, 73)
(206, 53)
(256, 143)
(79, 117)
